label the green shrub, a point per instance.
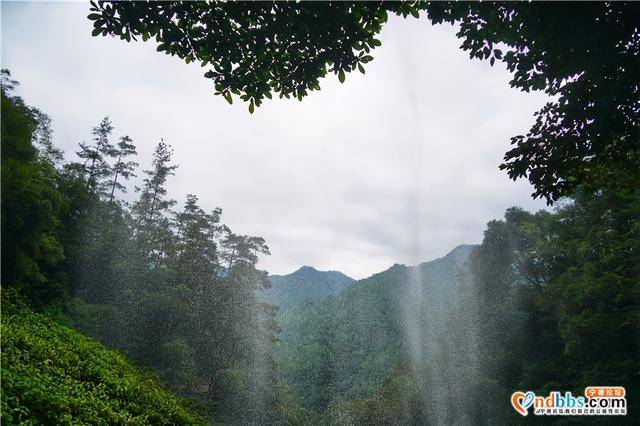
(54, 375)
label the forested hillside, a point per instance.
(344, 347)
(551, 302)
(305, 284)
(548, 301)
(123, 305)
(173, 289)
(54, 375)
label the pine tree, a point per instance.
(96, 167)
(242, 249)
(42, 139)
(123, 168)
(196, 252)
(150, 211)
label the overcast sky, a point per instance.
(396, 166)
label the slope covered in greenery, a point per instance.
(305, 284)
(54, 375)
(344, 347)
(174, 289)
(549, 301)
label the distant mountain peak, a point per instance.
(464, 248)
(461, 252)
(305, 284)
(307, 268)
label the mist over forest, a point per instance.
(128, 301)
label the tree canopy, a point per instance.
(173, 289)
(31, 205)
(548, 301)
(584, 57)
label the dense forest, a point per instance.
(121, 305)
(173, 289)
(307, 284)
(547, 301)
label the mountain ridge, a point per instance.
(309, 284)
(306, 284)
(367, 329)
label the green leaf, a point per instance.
(341, 76)
(96, 31)
(228, 98)
(251, 106)
(361, 68)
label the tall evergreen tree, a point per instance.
(96, 168)
(43, 140)
(196, 260)
(123, 168)
(150, 211)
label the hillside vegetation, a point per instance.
(54, 375)
(549, 301)
(346, 346)
(173, 288)
(307, 284)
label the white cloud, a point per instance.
(398, 165)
